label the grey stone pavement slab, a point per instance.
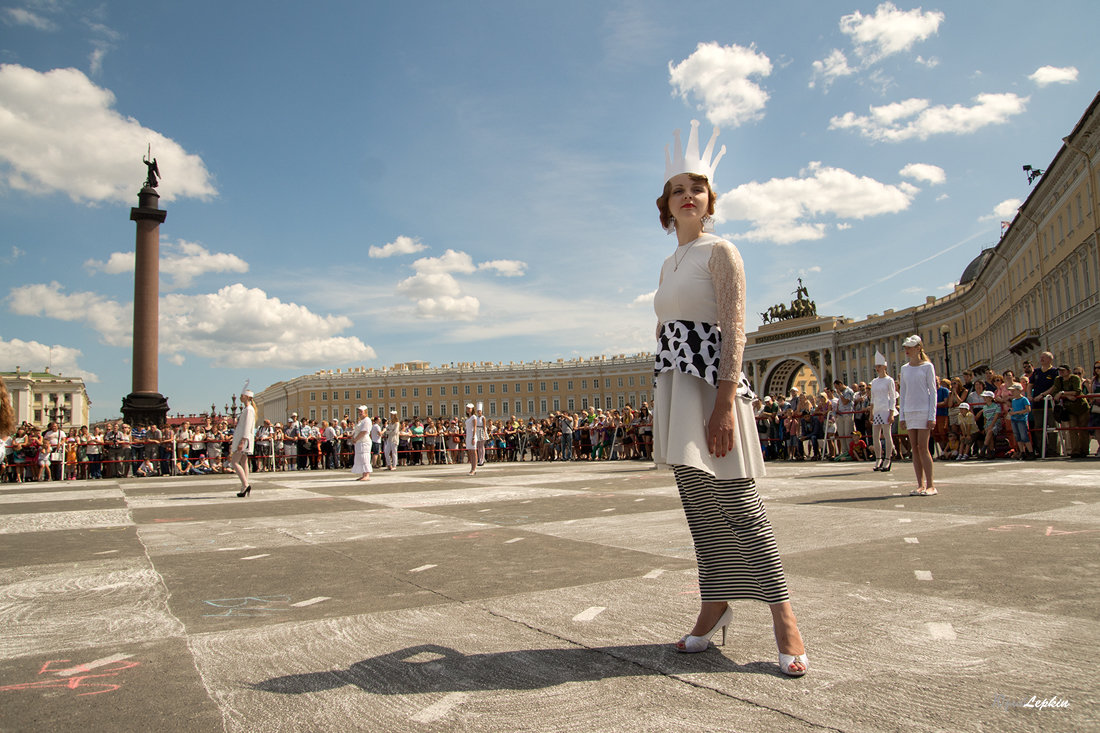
(545, 597)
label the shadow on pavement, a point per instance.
(433, 668)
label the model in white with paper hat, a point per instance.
(917, 395)
(703, 420)
(241, 447)
(884, 407)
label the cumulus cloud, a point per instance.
(437, 294)
(932, 174)
(59, 132)
(234, 327)
(506, 268)
(719, 77)
(889, 30)
(401, 246)
(831, 68)
(1004, 211)
(180, 263)
(643, 299)
(33, 356)
(915, 118)
(788, 210)
(110, 319)
(1045, 75)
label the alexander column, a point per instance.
(145, 405)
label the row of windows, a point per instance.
(370, 393)
(506, 408)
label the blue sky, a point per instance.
(360, 184)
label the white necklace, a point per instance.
(680, 261)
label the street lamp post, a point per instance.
(946, 331)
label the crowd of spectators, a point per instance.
(117, 450)
(1046, 410)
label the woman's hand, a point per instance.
(722, 425)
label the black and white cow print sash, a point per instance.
(692, 347)
(695, 348)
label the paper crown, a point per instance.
(880, 360)
(245, 391)
(689, 160)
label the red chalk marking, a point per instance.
(1009, 527)
(75, 681)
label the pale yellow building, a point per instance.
(41, 398)
(417, 389)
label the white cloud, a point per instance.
(948, 287)
(401, 246)
(889, 30)
(437, 294)
(643, 299)
(449, 261)
(834, 66)
(234, 327)
(1004, 211)
(719, 76)
(914, 118)
(182, 262)
(60, 133)
(111, 320)
(1045, 75)
(779, 209)
(924, 172)
(21, 16)
(33, 356)
(506, 268)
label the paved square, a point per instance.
(544, 596)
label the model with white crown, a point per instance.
(703, 425)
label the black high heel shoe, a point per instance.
(246, 492)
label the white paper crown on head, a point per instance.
(880, 360)
(689, 160)
(245, 391)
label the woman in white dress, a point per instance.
(917, 393)
(884, 401)
(243, 442)
(361, 435)
(703, 426)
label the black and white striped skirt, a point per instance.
(734, 543)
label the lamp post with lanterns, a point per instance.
(946, 331)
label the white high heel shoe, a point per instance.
(695, 644)
(786, 660)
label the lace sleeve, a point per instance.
(727, 273)
(660, 279)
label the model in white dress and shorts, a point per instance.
(917, 393)
(703, 420)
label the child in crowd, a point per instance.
(968, 429)
(991, 412)
(1021, 408)
(857, 448)
(832, 450)
(951, 450)
(146, 468)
